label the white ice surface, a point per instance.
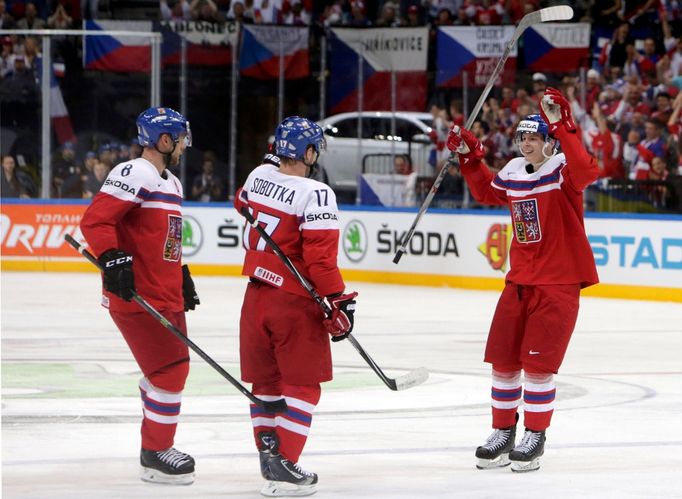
(70, 406)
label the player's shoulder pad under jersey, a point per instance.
(126, 179)
(320, 210)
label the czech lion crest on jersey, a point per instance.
(173, 247)
(526, 221)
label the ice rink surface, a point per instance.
(71, 410)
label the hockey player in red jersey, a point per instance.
(134, 226)
(284, 347)
(551, 261)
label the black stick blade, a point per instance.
(275, 406)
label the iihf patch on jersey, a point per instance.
(266, 275)
(526, 221)
(172, 250)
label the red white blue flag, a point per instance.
(475, 50)
(557, 47)
(261, 49)
(381, 51)
(208, 44)
(59, 114)
(120, 53)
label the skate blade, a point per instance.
(525, 466)
(286, 489)
(155, 476)
(491, 464)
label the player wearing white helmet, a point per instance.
(284, 346)
(134, 226)
(551, 261)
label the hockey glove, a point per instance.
(465, 143)
(117, 268)
(556, 110)
(189, 294)
(340, 322)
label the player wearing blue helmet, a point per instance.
(551, 261)
(134, 226)
(163, 129)
(284, 348)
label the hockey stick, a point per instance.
(556, 13)
(413, 378)
(269, 406)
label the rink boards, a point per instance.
(637, 256)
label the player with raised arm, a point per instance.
(284, 347)
(134, 227)
(551, 261)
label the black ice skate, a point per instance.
(167, 466)
(526, 456)
(494, 453)
(284, 478)
(267, 441)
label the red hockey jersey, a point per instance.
(301, 216)
(139, 211)
(549, 245)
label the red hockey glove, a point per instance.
(340, 323)
(465, 143)
(556, 110)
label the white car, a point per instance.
(384, 134)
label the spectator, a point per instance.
(632, 162)
(358, 13)
(32, 54)
(206, 10)
(663, 109)
(66, 178)
(451, 189)
(402, 165)
(617, 48)
(6, 19)
(412, 20)
(31, 19)
(106, 155)
(6, 56)
(658, 174)
(296, 14)
(593, 88)
(539, 86)
(19, 96)
(207, 186)
(179, 12)
(60, 19)
(267, 13)
(15, 183)
(95, 179)
(389, 16)
(606, 146)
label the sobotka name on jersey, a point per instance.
(272, 190)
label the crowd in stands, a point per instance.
(628, 106)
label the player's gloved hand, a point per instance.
(465, 143)
(556, 110)
(189, 294)
(340, 323)
(117, 268)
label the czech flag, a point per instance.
(557, 47)
(59, 114)
(261, 48)
(475, 50)
(383, 51)
(118, 53)
(208, 44)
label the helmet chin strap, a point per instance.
(312, 167)
(544, 154)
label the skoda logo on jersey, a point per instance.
(355, 241)
(192, 236)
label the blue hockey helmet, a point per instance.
(295, 134)
(156, 121)
(533, 123)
